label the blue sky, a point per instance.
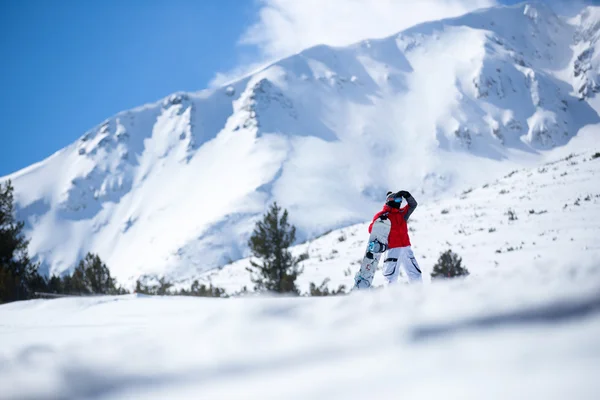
(68, 65)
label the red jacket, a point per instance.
(399, 231)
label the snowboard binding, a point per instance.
(361, 283)
(377, 247)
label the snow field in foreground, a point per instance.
(535, 335)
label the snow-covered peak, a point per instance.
(586, 64)
(174, 187)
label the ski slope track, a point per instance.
(174, 188)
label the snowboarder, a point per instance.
(389, 231)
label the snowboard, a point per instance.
(377, 245)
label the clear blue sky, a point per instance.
(68, 65)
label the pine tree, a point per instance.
(164, 287)
(449, 265)
(269, 242)
(56, 285)
(142, 288)
(19, 277)
(323, 289)
(201, 290)
(91, 276)
(153, 285)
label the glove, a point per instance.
(403, 193)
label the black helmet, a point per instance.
(393, 200)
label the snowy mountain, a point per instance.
(525, 323)
(532, 220)
(174, 188)
(587, 62)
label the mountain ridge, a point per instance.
(173, 187)
(553, 227)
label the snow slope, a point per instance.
(587, 57)
(174, 188)
(557, 225)
(533, 335)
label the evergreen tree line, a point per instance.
(21, 280)
(19, 276)
(273, 268)
(162, 287)
(91, 276)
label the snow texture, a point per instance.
(525, 323)
(532, 334)
(541, 218)
(174, 188)
(489, 119)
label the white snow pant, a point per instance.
(401, 256)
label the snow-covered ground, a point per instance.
(557, 225)
(524, 324)
(534, 334)
(174, 188)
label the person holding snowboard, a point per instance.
(399, 252)
(399, 249)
